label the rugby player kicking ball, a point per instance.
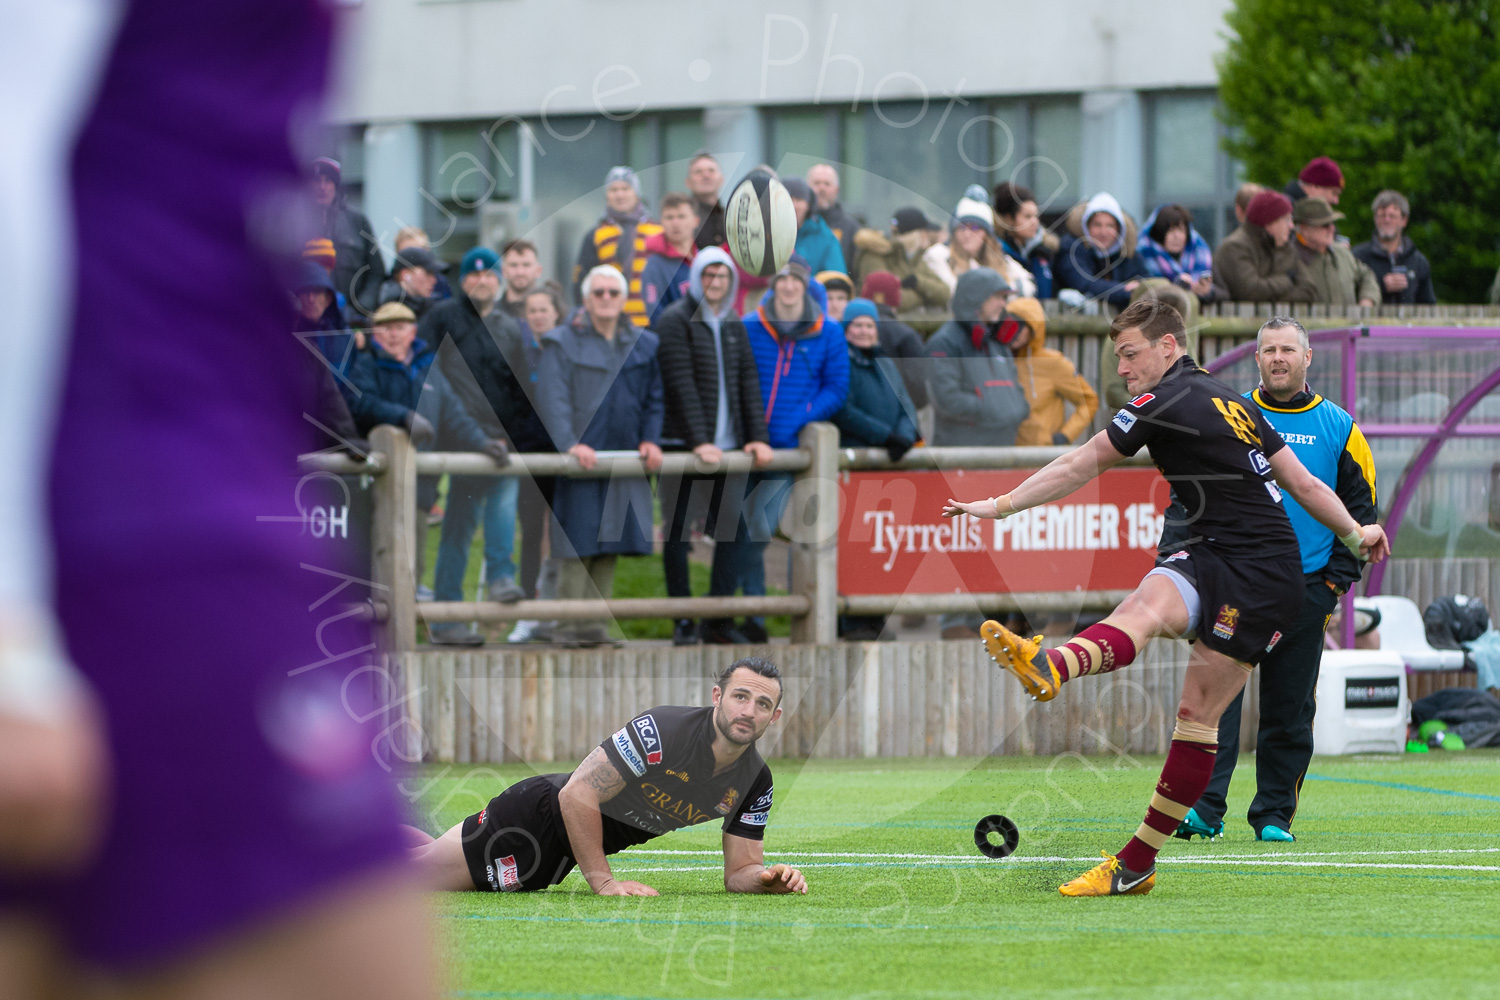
(1236, 581)
(671, 767)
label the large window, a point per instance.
(1185, 160)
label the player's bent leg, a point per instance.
(441, 863)
(368, 941)
(1154, 608)
(1213, 679)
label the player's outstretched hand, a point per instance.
(52, 775)
(977, 508)
(1375, 546)
(781, 879)
(627, 888)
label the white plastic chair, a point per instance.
(1402, 630)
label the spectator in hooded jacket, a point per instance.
(973, 244)
(713, 405)
(900, 251)
(599, 389)
(1098, 258)
(619, 239)
(669, 255)
(1321, 178)
(803, 367)
(1049, 382)
(815, 240)
(1339, 277)
(975, 387)
(320, 324)
(704, 182)
(824, 181)
(1404, 274)
(1019, 228)
(413, 280)
(900, 342)
(1171, 248)
(1257, 262)
(358, 267)
(877, 414)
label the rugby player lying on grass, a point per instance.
(671, 767)
(1236, 581)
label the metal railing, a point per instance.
(814, 603)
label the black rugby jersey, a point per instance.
(667, 760)
(1213, 448)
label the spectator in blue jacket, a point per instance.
(669, 255)
(815, 240)
(1018, 225)
(320, 323)
(804, 376)
(1098, 258)
(398, 385)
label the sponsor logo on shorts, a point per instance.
(1143, 399)
(510, 875)
(1271, 489)
(627, 752)
(754, 819)
(1124, 420)
(1229, 619)
(1275, 638)
(650, 736)
(1258, 462)
(727, 802)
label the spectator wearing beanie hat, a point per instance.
(1257, 262)
(900, 251)
(1321, 178)
(358, 267)
(619, 239)
(839, 290)
(973, 244)
(815, 241)
(900, 342)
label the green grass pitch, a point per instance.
(1392, 890)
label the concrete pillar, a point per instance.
(1114, 148)
(736, 135)
(393, 180)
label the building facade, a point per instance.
(489, 119)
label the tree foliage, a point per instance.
(1404, 94)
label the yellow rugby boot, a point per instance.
(1023, 657)
(1110, 878)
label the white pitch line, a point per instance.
(973, 858)
(976, 862)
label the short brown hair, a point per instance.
(676, 199)
(518, 246)
(1246, 194)
(1154, 318)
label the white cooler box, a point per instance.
(1362, 703)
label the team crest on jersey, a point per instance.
(1229, 619)
(1124, 420)
(1143, 399)
(727, 802)
(1259, 463)
(645, 727)
(1275, 638)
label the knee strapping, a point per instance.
(1195, 732)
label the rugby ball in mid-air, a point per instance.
(761, 223)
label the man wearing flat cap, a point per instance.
(1339, 277)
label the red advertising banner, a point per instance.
(894, 539)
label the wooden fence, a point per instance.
(895, 699)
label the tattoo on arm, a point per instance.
(599, 774)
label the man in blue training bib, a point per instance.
(1329, 443)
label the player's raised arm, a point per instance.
(1318, 499)
(1057, 479)
(595, 782)
(745, 869)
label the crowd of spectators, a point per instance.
(671, 346)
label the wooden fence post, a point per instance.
(393, 538)
(814, 530)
